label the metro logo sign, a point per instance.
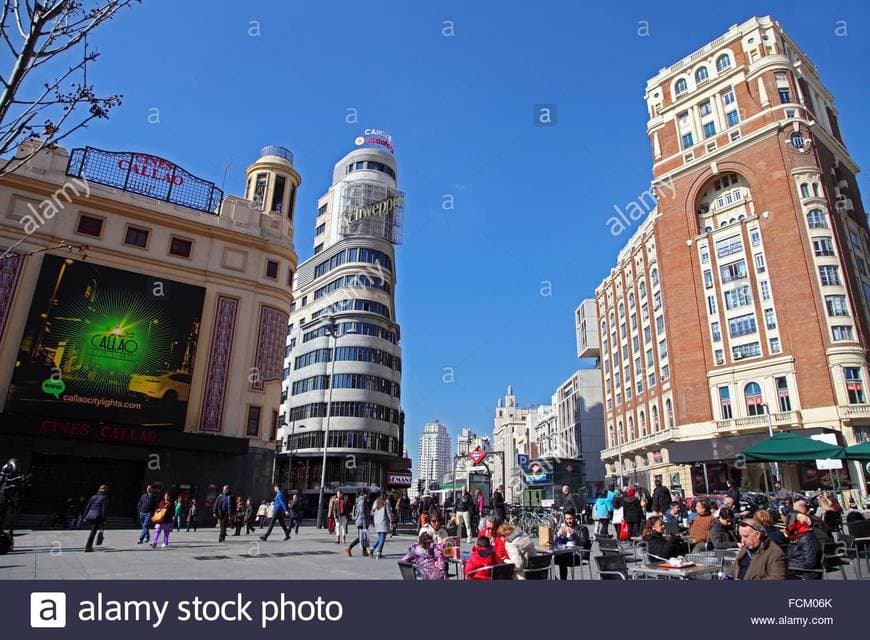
(477, 455)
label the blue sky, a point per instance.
(531, 203)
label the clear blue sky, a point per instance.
(531, 203)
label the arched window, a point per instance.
(654, 276)
(669, 410)
(655, 418)
(701, 75)
(681, 87)
(642, 421)
(816, 189)
(754, 401)
(805, 190)
(631, 432)
(620, 434)
(612, 318)
(621, 310)
(816, 219)
(723, 62)
(611, 435)
(641, 287)
(631, 299)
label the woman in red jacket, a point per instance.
(482, 556)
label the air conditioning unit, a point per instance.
(843, 184)
(738, 356)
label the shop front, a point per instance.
(71, 458)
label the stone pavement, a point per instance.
(59, 555)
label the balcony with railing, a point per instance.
(855, 411)
(644, 442)
(780, 420)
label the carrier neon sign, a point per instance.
(375, 136)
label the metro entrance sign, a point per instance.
(477, 455)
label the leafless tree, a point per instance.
(46, 95)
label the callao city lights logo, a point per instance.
(375, 136)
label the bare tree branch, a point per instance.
(38, 32)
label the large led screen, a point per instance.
(106, 344)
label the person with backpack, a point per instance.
(95, 514)
(360, 519)
(162, 519)
(661, 498)
(382, 520)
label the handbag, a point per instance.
(330, 523)
(159, 515)
(623, 531)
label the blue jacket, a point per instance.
(96, 509)
(280, 504)
(602, 510)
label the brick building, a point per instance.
(740, 304)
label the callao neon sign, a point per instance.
(151, 167)
(375, 136)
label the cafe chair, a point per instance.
(538, 567)
(408, 571)
(834, 558)
(611, 567)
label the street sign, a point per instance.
(522, 461)
(477, 455)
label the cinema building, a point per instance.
(343, 370)
(742, 303)
(142, 325)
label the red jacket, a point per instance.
(499, 549)
(480, 557)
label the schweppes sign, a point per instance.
(380, 208)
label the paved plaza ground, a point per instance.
(313, 554)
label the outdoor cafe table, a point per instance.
(686, 573)
(580, 554)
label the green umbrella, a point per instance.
(858, 451)
(790, 447)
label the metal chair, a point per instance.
(834, 558)
(858, 543)
(538, 567)
(408, 571)
(611, 567)
(610, 546)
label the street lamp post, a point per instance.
(619, 444)
(332, 330)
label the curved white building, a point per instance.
(343, 354)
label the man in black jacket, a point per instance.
(661, 498)
(464, 507)
(147, 504)
(223, 511)
(498, 503)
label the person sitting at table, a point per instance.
(722, 535)
(765, 518)
(734, 506)
(482, 556)
(435, 529)
(803, 551)
(428, 558)
(659, 545)
(759, 558)
(570, 535)
(489, 529)
(519, 546)
(699, 529)
(673, 520)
